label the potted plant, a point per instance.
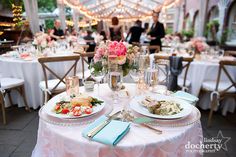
(212, 29)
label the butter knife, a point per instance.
(99, 127)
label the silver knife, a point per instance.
(99, 127)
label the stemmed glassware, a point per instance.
(97, 71)
(115, 81)
(134, 71)
(151, 78)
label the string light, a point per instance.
(82, 23)
(17, 13)
(6, 24)
(121, 8)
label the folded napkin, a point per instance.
(186, 96)
(175, 69)
(110, 134)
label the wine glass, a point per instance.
(115, 82)
(97, 71)
(151, 78)
(134, 71)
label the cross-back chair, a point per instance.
(183, 83)
(230, 53)
(55, 86)
(6, 86)
(84, 59)
(153, 48)
(221, 89)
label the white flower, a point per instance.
(44, 43)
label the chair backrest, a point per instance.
(155, 48)
(44, 60)
(84, 57)
(136, 44)
(85, 47)
(230, 53)
(222, 67)
(186, 66)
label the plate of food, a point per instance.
(78, 107)
(161, 106)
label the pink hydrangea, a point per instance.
(117, 48)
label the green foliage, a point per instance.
(213, 23)
(210, 25)
(169, 31)
(6, 3)
(125, 68)
(189, 34)
(97, 67)
(49, 23)
(19, 24)
(224, 36)
(47, 5)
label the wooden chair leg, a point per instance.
(213, 106)
(22, 93)
(46, 97)
(3, 109)
(9, 97)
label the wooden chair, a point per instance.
(155, 48)
(183, 83)
(84, 58)
(162, 64)
(136, 44)
(55, 86)
(230, 53)
(85, 47)
(220, 89)
(6, 86)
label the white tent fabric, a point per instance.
(31, 8)
(124, 9)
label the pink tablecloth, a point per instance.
(67, 141)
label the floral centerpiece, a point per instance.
(120, 52)
(198, 44)
(42, 41)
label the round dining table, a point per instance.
(65, 140)
(205, 69)
(31, 72)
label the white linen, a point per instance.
(61, 141)
(31, 72)
(205, 71)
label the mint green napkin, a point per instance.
(186, 96)
(110, 134)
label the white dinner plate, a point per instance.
(136, 106)
(49, 109)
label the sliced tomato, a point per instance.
(57, 107)
(88, 110)
(65, 111)
(77, 113)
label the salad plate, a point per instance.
(165, 107)
(79, 107)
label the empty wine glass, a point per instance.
(97, 71)
(115, 82)
(151, 78)
(134, 71)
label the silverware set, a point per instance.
(125, 116)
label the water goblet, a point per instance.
(115, 82)
(97, 71)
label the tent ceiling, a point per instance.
(105, 9)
